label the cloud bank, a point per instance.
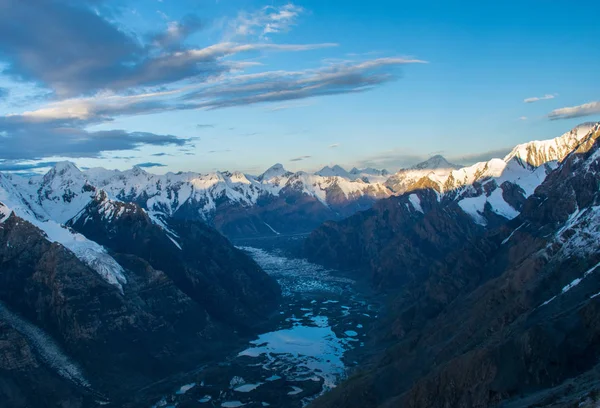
(587, 109)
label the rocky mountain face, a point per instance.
(97, 308)
(436, 206)
(501, 314)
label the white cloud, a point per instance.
(523, 118)
(267, 20)
(587, 109)
(229, 90)
(335, 145)
(540, 98)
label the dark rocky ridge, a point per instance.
(179, 307)
(395, 241)
(475, 328)
(199, 261)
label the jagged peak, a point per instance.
(276, 170)
(276, 166)
(137, 171)
(370, 171)
(64, 171)
(336, 170)
(435, 162)
(64, 167)
(537, 152)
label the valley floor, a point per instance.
(315, 339)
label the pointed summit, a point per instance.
(435, 162)
(65, 171)
(538, 152)
(276, 170)
(335, 171)
(64, 167)
(138, 170)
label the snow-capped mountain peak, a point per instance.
(335, 171)
(62, 192)
(434, 163)
(276, 170)
(64, 167)
(538, 152)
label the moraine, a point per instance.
(311, 344)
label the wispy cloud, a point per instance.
(204, 126)
(540, 98)
(150, 165)
(85, 53)
(161, 154)
(11, 165)
(268, 20)
(391, 159)
(277, 86)
(288, 106)
(230, 91)
(334, 146)
(401, 158)
(587, 109)
(176, 32)
(523, 118)
(92, 70)
(297, 159)
(26, 140)
(472, 158)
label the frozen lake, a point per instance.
(321, 319)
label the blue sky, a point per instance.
(232, 84)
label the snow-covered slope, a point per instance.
(370, 175)
(92, 254)
(63, 192)
(205, 192)
(538, 152)
(430, 173)
(496, 186)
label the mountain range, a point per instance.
(282, 202)
(494, 286)
(113, 280)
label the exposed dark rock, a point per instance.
(200, 262)
(512, 317)
(179, 307)
(394, 241)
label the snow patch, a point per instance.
(295, 390)
(185, 388)
(473, 206)
(416, 202)
(512, 233)
(247, 387)
(46, 348)
(271, 228)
